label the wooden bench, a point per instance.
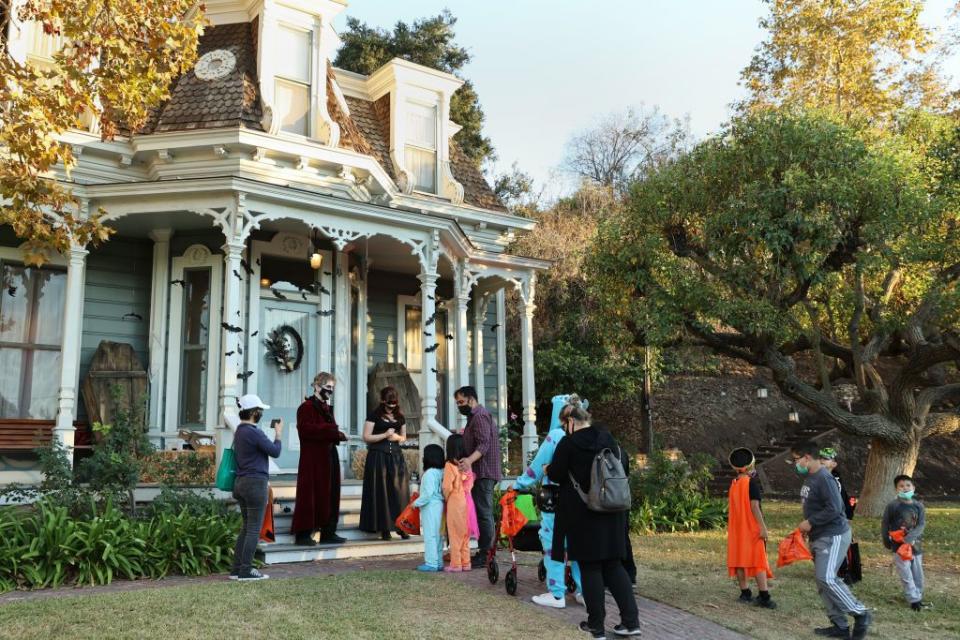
(27, 435)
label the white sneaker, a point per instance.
(579, 598)
(548, 600)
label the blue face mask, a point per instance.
(801, 470)
(905, 495)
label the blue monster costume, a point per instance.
(532, 476)
(430, 503)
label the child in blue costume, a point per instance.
(430, 503)
(532, 475)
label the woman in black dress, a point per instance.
(386, 481)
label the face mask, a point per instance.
(325, 393)
(801, 470)
(905, 495)
(464, 409)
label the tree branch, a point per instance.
(940, 424)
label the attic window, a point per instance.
(420, 154)
(292, 88)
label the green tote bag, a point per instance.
(227, 471)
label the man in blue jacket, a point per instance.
(533, 475)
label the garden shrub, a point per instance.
(672, 495)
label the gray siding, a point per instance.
(118, 280)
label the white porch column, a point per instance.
(480, 303)
(159, 299)
(341, 348)
(64, 430)
(501, 332)
(461, 299)
(361, 379)
(530, 441)
(230, 341)
(428, 403)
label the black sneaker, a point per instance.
(765, 603)
(305, 541)
(833, 631)
(252, 576)
(621, 630)
(601, 634)
(920, 606)
(478, 561)
(746, 595)
(860, 625)
(332, 538)
(403, 535)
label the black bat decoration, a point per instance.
(449, 336)
(327, 273)
(322, 289)
(303, 294)
(238, 313)
(246, 266)
(231, 328)
(434, 370)
(431, 297)
(433, 348)
(325, 314)
(495, 327)
(258, 262)
(277, 294)
(11, 291)
(228, 353)
(427, 333)
(254, 333)
(237, 273)
(431, 319)
(182, 283)
(243, 376)
(239, 349)
(135, 316)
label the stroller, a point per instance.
(520, 525)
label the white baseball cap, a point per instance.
(251, 401)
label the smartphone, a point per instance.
(274, 423)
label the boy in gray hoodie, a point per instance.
(908, 517)
(825, 524)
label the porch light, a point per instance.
(264, 282)
(316, 258)
(793, 416)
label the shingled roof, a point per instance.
(234, 100)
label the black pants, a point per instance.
(482, 493)
(596, 577)
(629, 563)
(251, 496)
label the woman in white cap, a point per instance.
(251, 447)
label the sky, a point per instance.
(545, 69)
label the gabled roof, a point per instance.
(234, 101)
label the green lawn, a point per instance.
(371, 604)
(688, 570)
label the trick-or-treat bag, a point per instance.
(511, 517)
(409, 519)
(793, 549)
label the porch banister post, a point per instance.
(526, 344)
(479, 317)
(64, 430)
(229, 365)
(428, 403)
(461, 299)
(159, 298)
(341, 349)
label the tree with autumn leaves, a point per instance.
(117, 61)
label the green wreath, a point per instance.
(279, 344)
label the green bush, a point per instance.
(44, 546)
(672, 495)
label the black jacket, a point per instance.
(590, 536)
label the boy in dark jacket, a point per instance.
(903, 522)
(825, 524)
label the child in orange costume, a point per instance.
(455, 486)
(746, 532)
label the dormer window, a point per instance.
(292, 80)
(420, 151)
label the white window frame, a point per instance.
(279, 76)
(196, 256)
(402, 303)
(436, 144)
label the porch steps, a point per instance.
(359, 544)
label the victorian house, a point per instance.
(275, 218)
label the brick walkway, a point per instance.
(658, 621)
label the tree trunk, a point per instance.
(885, 462)
(646, 405)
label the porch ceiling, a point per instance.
(140, 225)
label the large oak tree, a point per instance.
(791, 236)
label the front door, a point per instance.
(289, 353)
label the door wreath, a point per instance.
(285, 348)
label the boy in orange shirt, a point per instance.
(746, 531)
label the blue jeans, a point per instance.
(251, 496)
